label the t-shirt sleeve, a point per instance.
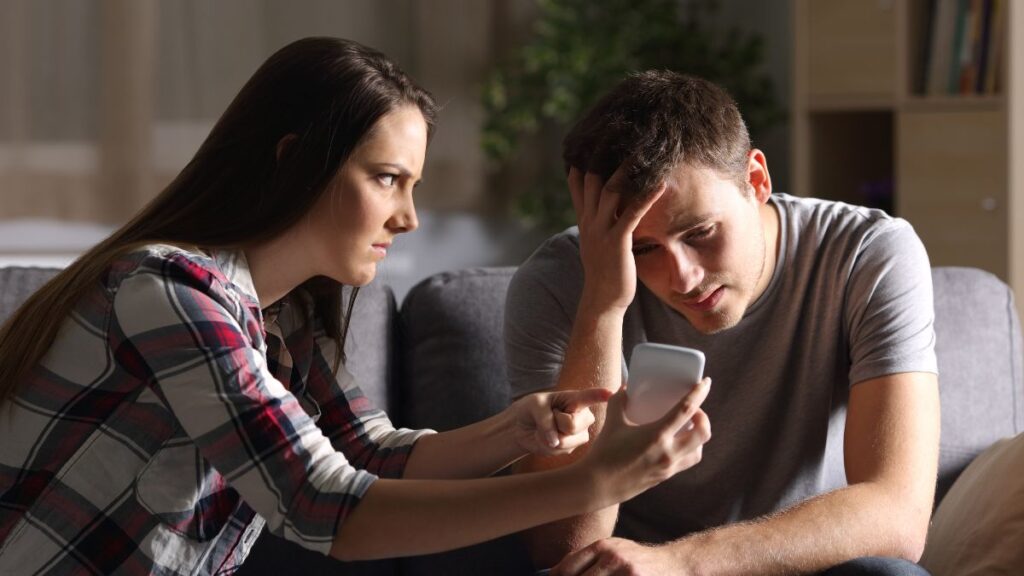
(539, 312)
(177, 327)
(889, 307)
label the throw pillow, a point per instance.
(979, 525)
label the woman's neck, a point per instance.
(275, 268)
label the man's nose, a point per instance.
(686, 272)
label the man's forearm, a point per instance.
(593, 359)
(861, 520)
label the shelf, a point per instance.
(989, 102)
(866, 121)
(850, 103)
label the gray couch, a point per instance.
(438, 362)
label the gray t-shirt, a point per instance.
(850, 300)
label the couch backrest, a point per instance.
(453, 374)
(978, 344)
(370, 344)
(17, 283)
(455, 360)
(451, 349)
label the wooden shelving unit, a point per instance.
(865, 132)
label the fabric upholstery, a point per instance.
(978, 344)
(453, 374)
(17, 283)
(453, 359)
(370, 344)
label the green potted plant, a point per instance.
(578, 50)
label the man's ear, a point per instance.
(757, 175)
(283, 144)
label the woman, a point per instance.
(180, 384)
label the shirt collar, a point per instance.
(235, 267)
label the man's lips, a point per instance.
(705, 301)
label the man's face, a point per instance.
(701, 247)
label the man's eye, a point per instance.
(700, 234)
(645, 249)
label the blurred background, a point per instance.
(102, 102)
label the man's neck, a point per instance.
(770, 226)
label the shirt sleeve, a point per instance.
(178, 328)
(540, 309)
(357, 428)
(889, 306)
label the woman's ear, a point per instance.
(283, 145)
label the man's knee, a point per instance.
(876, 566)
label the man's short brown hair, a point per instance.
(655, 120)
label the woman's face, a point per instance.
(369, 202)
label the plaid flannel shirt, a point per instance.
(169, 420)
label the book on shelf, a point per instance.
(960, 51)
(940, 53)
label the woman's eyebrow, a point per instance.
(397, 167)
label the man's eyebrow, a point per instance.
(681, 225)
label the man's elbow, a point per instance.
(910, 531)
(911, 541)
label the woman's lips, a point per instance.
(708, 302)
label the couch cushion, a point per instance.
(453, 358)
(370, 345)
(978, 344)
(453, 374)
(17, 283)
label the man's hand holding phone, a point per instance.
(674, 436)
(660, 375)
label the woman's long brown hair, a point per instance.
(238, 191)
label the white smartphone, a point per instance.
(659, 376)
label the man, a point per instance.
(816, 321)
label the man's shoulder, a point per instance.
(833, 220)
(556, 257)
(564, 244)
(552, 274)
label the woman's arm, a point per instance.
(543, 424)
(406, 517)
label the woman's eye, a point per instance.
(388, 179)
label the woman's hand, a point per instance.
(629, 459)
(606, 222)
(550, 423)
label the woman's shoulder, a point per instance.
(174, 267)
(168, 260)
